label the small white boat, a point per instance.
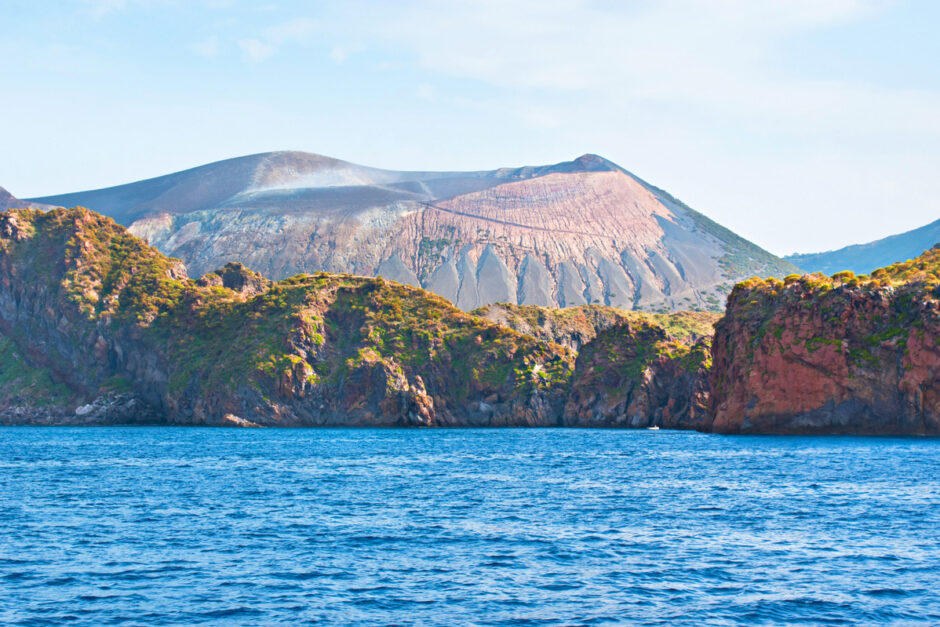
(653, 428)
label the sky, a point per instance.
(803, 125)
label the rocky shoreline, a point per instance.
(100, 328)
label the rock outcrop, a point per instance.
(238, 278)
(636, 375)
(97, 327)
(854, 355)
(125, 336)
(100, 328)
(580, 232)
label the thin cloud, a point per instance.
(256, 51)
(296, 30)
(426, 91)
(713, 61)
(689, 90)
(208, 48)
(710, 98)
(100, 8)
(339, 54)
(300, 30)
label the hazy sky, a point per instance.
(801, 124)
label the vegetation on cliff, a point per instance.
(106, 315)
(24, 384)
(233, 342)
(635, 374)
(634, 369)
(97, 326)
(844, 353)
(575, 326)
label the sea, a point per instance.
(199, 526)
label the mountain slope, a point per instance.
(580, 232)
(863, 258)
(9, 201)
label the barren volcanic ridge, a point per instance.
(584, 231)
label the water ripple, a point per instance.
(165, 526)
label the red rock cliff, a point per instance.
(841, 355)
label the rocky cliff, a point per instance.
(634, 369)
(585, 231)
(845, 354)
(98, 327)
(636, 375)
(117, 325)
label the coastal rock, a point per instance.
(635, 375)
(110, 409)
(842, 355)
(90, 308)
(98, 327)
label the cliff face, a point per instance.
(843, 355)
(634, 369)
(636, 375)
(580, 232)
(97, 327)
(119, 327)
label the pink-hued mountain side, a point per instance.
(584, 231)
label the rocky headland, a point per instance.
(98, 327)
(840, 354)
(105, 316)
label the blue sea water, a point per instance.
(170, 526)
